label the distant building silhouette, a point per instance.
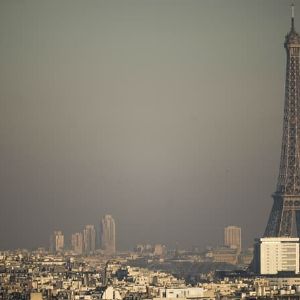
(56, 241)
(233, 238)
(77, 242)
(223, 254)
(159, 250)
(89, 239)
(108, 234)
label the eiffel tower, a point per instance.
(284, 220)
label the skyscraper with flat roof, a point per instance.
(56, 241)
(277, 254)
(108, 234)
(77, 242)
(89, 239)
(233, 237)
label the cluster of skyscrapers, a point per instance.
(84, 242)
(90, 239)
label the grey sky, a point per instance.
(165, 114)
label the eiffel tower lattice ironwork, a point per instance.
(284, 218)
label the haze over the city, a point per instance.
(165, 114)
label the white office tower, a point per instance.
(77, 242)
(108, 234)
(89, 239)
(233, 238)
(56, 241)
(277, 254)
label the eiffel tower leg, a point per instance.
(286, 223)
(297, 212)
(273, 225)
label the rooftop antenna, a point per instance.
(293, 16)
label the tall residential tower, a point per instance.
(108, 234)
(77, 242)
(89, 239)
(233, 238)
(56, 241)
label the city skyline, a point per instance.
(166, 114)
(101, 236)
(107, 233)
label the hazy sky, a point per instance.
(166, 114)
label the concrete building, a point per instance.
(56, 241)
(89, 239)
(159, 250)
(111, 294)
(246, 256)
(181, 293)
(277, 254)
(77, 242)
(108, 234)
(233, 237)
(224, 254)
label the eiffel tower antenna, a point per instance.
(293, 16)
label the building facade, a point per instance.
(57, 241)
(233, 237)
(108, 234)
(224, 254)
(77, 242)
(278, 254)
(89, 239)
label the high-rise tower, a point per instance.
(233, 237)
(77, 242)
(284, 219)
(89, 237)
(108, 234)
(56, 241)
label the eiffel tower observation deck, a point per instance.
(284, 218)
